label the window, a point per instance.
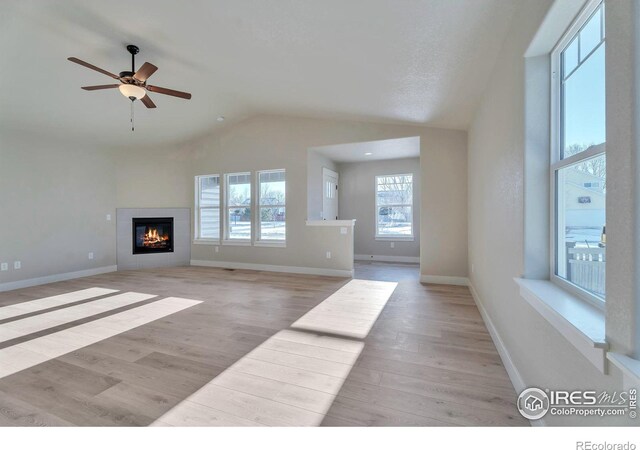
(207, 221)
(238, 206)
(394, 206)
(330, 189)
(578, 159)
(271, 205)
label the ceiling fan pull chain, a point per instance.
(132, 124)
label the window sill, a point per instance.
(395, 238)
(581, 323)
(270, 244)
(630, 369)
(206, 242)
(238, 242)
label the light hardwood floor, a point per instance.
(427, 360)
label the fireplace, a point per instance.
(152, 235)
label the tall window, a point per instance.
(271, 205)
(578, 160)
(238, 206)
(394, 206)
(207, 207)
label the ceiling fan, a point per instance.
(133, 84)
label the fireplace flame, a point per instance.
(152, 237)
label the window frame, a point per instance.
(227, 240)
(394, 237)
(556, 161)
(197, 210)
(258, 222)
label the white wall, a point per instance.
(74, 186)
(53, 205)
(623, 182)
(357, 201)
(542, 356)
(271, 142)
(315, 163)
(156, 177)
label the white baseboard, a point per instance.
(274, 268)
(512, 371)
(507, 362)
(441, 279)
(385, 258)
(11, 285)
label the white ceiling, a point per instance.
(379, 150)
(398, 61)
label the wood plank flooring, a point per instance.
(293, 377)
(33, 352)
(427, 360)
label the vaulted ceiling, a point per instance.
(403, 61)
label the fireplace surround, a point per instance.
(152, 235)
(181, 254)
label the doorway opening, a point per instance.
(377, 183)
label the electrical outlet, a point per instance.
(4, 267)
(343, 230)
(90, 255)
(392, 244)
(328, 255)
(217, 249)
(108, 217)
(17, 265)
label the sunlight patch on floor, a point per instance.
(293, 377)
(41, 322)
(19, 309)
(351, 311)
(38, 350)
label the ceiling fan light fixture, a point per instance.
(131, 90)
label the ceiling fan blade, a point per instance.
(92, 67)
(146, 100)
(165, 91)
(101, 86)
(145, 72)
